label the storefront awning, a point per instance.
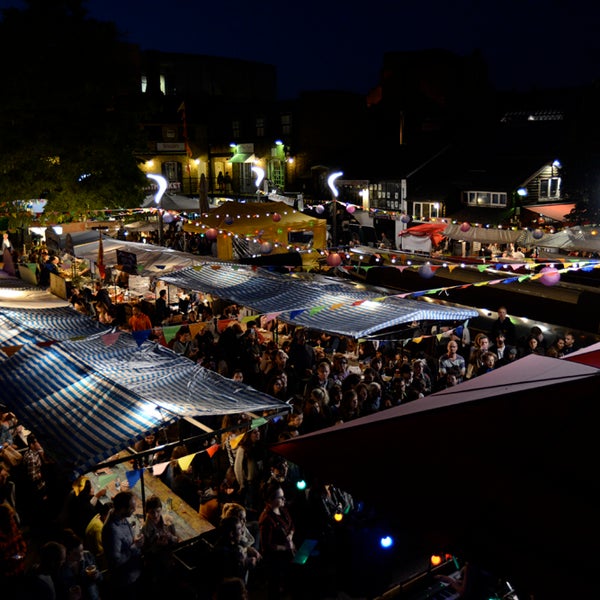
(241, 157)
(556, 212)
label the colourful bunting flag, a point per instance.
(141, 336)
(133, 477)
(186, 461)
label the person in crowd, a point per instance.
(532, 346)
(159, 539)
(7, 490)
(248, 539)
(313, 409)
(556, 349)
(349, 407)
(500, 349)
(183, 343)
(101, 295)
(92, 540)
(488, 363)
(49, 267)
(6, 243)
(84, 507)
(43, 577)
(420, 376)
(251, 355)
(122, 548)
(277, 388)
(13, 547)
(339, 368)
(481, 344)
(34, 459)
(300, 362)
(162, 312)
(451, 379)
(570, 343)
(319, 379)
(139, 321)
(248, 467)
(504, 325)
(231, 588)
(232, 557)
(451, 359)
(79, 569)
(278, 368)
(276, 534)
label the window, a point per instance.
(426, 210)
(286, 124)
(171, 170)
(236, 130)
(276, 173)
(550, 188)
(260, 127)
(485, 198)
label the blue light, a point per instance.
(386, 542)
(301, 485)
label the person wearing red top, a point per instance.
(13, 547)
(139, 321)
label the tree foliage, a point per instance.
(68, 126)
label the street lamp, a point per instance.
(260, 175)
(162, 186)
(334, 192)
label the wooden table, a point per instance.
(188, 523)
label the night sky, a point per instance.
(334, 45)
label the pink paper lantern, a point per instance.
(550, 276)
(320, 209)
(266, 248)
(211, 234)
(276, 217)
(334, 259)
(350, 208)
(465, 227)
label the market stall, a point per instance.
(268, 225)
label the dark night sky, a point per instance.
(334, 45)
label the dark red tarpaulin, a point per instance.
(502, 467)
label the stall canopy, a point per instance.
(421, 238)
(175, 202)
(317, 302)
(150, 259)
(20, 326)
(502, 468)
(484, 235)
(267, 221)
(87, 400)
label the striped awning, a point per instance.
(322, 303)
(24, 326)
(87, 400)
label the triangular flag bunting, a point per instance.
(141, 336)
(133, 477)
(186, 461)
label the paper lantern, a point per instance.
(266, 248)
(168, 218)
(550, 276)
(276, 217)
(350, 208)
(334, 259)
(211, 234)
(405, 219)
(465, 227)
(229, 220)
(426, 272)
(320, 209)
(538, 234)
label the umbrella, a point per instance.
(501, 468)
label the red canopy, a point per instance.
(431, 230)
(502, 468)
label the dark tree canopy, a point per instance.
(68, 126)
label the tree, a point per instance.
(68, 122)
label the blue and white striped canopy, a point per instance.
(46, 324)
(87, 400)
(321, 303)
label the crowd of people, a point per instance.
(62, 543)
